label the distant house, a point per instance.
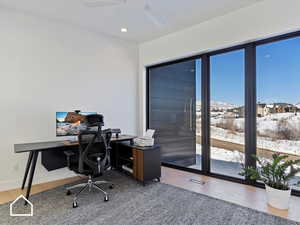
(285, 108)
(280, 107)
(263, 110)
(267, 109)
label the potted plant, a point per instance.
(276, 174)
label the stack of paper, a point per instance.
(146, 140)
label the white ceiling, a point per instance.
(172, 15)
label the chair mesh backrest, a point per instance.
(94, 142)
(94, 120)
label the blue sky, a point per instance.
(278, 74)
(227, 77)
(278, 71)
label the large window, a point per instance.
(278, 98)
(227, 112)
(214, 112)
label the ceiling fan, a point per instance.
(152, 16)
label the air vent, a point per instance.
(197, 181)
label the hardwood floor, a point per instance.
(240, 194)
(7, 196)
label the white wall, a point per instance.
(46, 66)
(264, 19)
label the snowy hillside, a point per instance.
(221, 105)
(218, 105)
(266, 127)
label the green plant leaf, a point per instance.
(273, 173)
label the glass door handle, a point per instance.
(191, 115)
(186, 114)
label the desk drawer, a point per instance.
(53, 160)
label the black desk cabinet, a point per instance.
(53, 160)
(145, 161)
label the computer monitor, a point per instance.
(70, 123)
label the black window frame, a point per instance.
(250, 104)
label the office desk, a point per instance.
(35, 148)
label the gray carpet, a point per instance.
(132, 204)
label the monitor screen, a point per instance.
(70, 123)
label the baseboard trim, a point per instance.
(15, 184)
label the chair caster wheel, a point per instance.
(69, 192)
(106, 199)
(75, 204)
(111, 186)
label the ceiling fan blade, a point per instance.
(154, 18)
(103, 3)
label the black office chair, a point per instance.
(93, 158)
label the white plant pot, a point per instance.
(278, 198)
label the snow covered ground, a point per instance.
(267, 126)
(223, 154)
(264, 124)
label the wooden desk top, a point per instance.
(40, 146)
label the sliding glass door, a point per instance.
(227, 112)
(175, 112)
(173, 109)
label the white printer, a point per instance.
(145, 141)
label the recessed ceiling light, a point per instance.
(124, 30)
